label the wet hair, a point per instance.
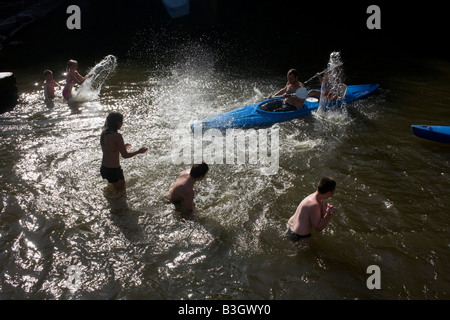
(293, 72)
(199, 170)
(112, 123)
(70, 63)
(326, 184)
(47, 72)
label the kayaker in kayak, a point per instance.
(331, 80)
(326, 89)
(292, 85)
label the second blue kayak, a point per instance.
(252, 116)
(434, 133)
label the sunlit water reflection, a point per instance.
(56, 211)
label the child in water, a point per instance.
(49, 85)
(72, 78)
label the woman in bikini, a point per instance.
(112, 145)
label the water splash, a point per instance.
(91, 87)
(334, 116)
(333, 88)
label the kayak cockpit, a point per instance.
(279, 105)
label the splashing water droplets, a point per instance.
(333, 89)
(332, 107)
(91, 87)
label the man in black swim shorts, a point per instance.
(296, 237)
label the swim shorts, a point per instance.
(67, 94)
(112, 174)
(296, 237)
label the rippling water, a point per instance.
(392, 191)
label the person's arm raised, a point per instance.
(318, 221)
(123, 148)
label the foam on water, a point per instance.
(338, 116)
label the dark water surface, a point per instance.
(56, 211)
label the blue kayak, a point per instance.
(252, 116)
(434, 133)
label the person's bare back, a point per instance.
(300, 222)
(110, 148)
(183, 188)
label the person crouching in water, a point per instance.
(182, 191)
(112, 145)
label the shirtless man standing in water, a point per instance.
(313, 211)
(183, 189)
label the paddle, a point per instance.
(338, 64)
(317, 74)
(301, 93)
(343, 89)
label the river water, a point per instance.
(392, 187)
